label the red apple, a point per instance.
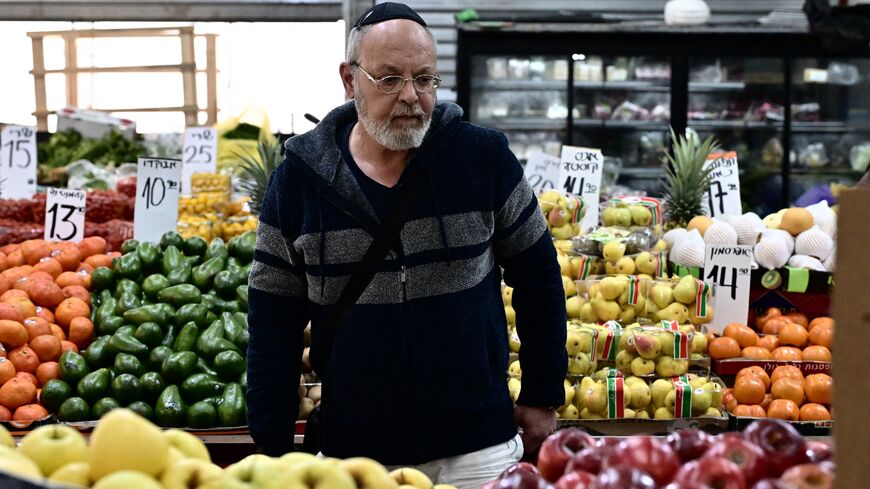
(829, 466)
(624, 477)
(689, 444)
(687, 485)
(713, 472)
(520, 466)
(519, 479)
(607, 441)
(648, 454)
(748, 457)
(558, 449)
(577, 479)
(590, 459)
(819, 451)
(770, 484)
(782, 445)
(808, 476)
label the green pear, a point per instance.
(612, 287)
(675, 312)
(75, 474)
(646, 263)
(573, 305)
(685, 290)
(625, 266)
(123, 440)
(188, 444)
(605, 310)
(13, 462)
(662, 295)
(563, 232)
(190, 472)
(368, 473)
(659, 390)
(125, 479)
(640, 215)
(623, 361)
(642, 366)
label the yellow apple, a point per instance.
(126, 479)
(53, 446)
(188, 444)
(76, 474)
(123, 440)
(190, 472)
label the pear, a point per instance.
(587, 314)
(514, 386)
(587, 414)
(611, 288)
(642, 414)
(125, 479)
(573, 305)
(622, 217)
(293, 458)
(513, 340)
(699, 344)
(190, 472)
(188, 444)
(608, 216)
(595, 399)
(666, 367)
(713, 412)
(368, 473)
(564, 245)
(646, 263)
(648, 346)
(659, 390)
(574, 343)
(557, 217)
(642, 366)
(580, 364)
(623, 361)
(625, 266)
(675, 312)
(640, 215)
(548, 200)
(610, 267)
(75, 474)
(568, 286)
(605, 310)
(123, 440)
(564, 265)
(569, 412)
(507, 294)
(667, 341)
(627, 314)
(514, 369)
(662, 295)
(661, 245)
(252, 471)
(640, 395)
(686, 290)
(563, 232)
(314, 473)
(613, 250)
(697, 321)
(663, 413)
(13, 462)
(629, 413)
(640, 309)
(510, 315)
(586, 383)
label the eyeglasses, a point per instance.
(394, 83)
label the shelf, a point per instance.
(608, 124)
(486, 84)
(646, 86)
(843, 172)
(642, 172)
(829, 126)
(532, 124)
(714, 125)
(716, 86)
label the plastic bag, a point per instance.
(230, 150)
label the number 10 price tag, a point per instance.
(728, 269)
(200, 154)
(158, 186)
(65, 214)
(18, 162)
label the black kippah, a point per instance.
(388, 11)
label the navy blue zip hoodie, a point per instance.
(418, 369)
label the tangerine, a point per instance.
(793, 334)
(814, 412)
(819, 388)
(790, 389)
(749, 389)
(723, 347)
(784, 409)
(788, 353)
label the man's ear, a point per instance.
(346, 72)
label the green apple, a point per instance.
(76, 474)
(640, 215)
(642, 366)
(13, 462)
(125, 479)
(188, 444)
(411, 477)
(190, 472)
(253, 471)
(368, 474)
(6, 439)
(123, 440)
(53, 446)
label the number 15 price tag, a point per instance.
(65, 214)
(200, 154)
(158, 182)
(18, 162)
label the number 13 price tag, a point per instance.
(728, 269)
(65, 215)
(158, 182)
(200, 153)
(581, 175)
(18, 162)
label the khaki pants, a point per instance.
(472, 470)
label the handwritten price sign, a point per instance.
(200, 153)
(158, 186)
(65, 215)
(542, 171)
(728, 270)
(581, 175)
(18, 162)
(723, 197)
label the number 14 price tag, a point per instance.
(65, 214)
(158, 182)
(18, 162)
(200, 154)
(728, 269)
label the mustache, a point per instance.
(406, 110)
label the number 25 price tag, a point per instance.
(18, 162)
(200, 153)
(158, 182)
(728, 269)
(65, 214)
(581, 175)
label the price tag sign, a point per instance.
(542, 171)
(723, 197)
(200, 153)
(18, 162)
(580, 175)
(65, 214)
(158, 186)
(727, 269)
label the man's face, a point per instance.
(397, 121)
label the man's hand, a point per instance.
(537, 424)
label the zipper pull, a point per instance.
(402, 276)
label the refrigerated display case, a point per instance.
(797, 116)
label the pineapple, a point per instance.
(255, 172)
(686, 178)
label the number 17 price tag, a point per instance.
(158, 186)
(18, 162)
(200, 154)
(65, 214)
(728, 269)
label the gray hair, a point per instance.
(356, 35)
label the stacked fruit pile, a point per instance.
(172, 334)
(785, 394)
(786, 337)
(768, 455)
(127, 451)
(563, 212)
(44, 312)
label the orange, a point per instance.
(784, 409)
(787, 371)
(789, 353)
(70, 308)
(97, 261)
(821, 321)
(814, 412)
(742, 333)
(28, 377)
(12, 333)
(822, 335)
(92, 246)
(15, 259)
(771, 313)
(69, 257)
(5, 284)
(749, 389)
(85, 271)
(47, 347)
(758, 372)
(723, 347)
(794, 335)
(36, 326)
(756, 353)
(45, 313)
(49, 266)
(77, 291)
(817, 353)
(797, 318)
(68, 346)
(728, 399)
(818, 388)
(770, 341)
(68, 278)
(13, 294)
(17, 392)
(3, 264)
(34, 250)
(790, 389)
(81, 331)
(7, 370)
(30, 412)
(756, 411)
(57, 332)
(5, 414)
(24, 306)
(774, 325)
(25, 359)
(47, 371)
(741, 410)
(8, 311)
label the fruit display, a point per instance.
(126, 450)
(785, 394)
(44, 311)
(564, 212)
(209, 212)
(593, 241)
(769, 454)
(69, 146)
(171, 336)
(632, 212)
(786, 338)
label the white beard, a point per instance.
(407, 136)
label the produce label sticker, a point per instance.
(701, 296)
(723, 196)
(18, 162)
(615, 397)
(683, 404)
(542, 171)
(65, 214)
(611, 343)
(580, 175)
(158, 186)
(670, 325)
(593, 343)
(661, 263)
(199, 154)
(729, 269)
(633, 291)
(584, 267)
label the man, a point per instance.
(416, 375)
